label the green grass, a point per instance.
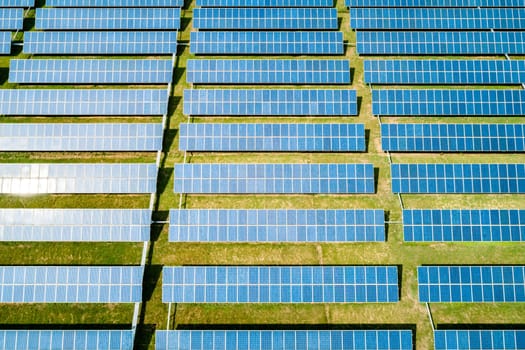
(408, 313)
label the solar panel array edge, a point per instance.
(115, 3)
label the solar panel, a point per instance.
(437, 18)
(479, 339)
(11, 18)
(469, 284)
(77, 178)
(108, 18)
(83, 102)
(66, 339)
(18, 3)
(81, 137)
(440, 43)
(448, 102)
(458, 178)
(283, 339)
(115, 3)
(442, 72)
(279, 284)
(464, 225)
(270, 102)
(271, 137)
(90, 71)
(435, 3)
(100, 43)
(75, 225)
(265, 18)
(71, 284)
(5, 43)
(265, 3)
(267, 43)
(453, 137)
(287, 71)
(276, 225)
(274, 178)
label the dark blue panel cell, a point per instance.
(434, 3)
(5, 43)
(265, 3)
(479, 339)
(114, 3)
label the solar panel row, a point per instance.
(256, 71)
(265, 18)
(5, 43)
(265, 3)
(81, 137)
(435, 3)
(485, 72)
(274, 178)
(313, 225)
(274, 43)
(270, 102)
(115, 3)
(284, 339)
(107, 18)
(11, 18)
(77, 225)
(467, 284)
(78, 178)
(458, 178)
(453, 137)
(100, 43)
(464, 225)
(479, 339)
(272, 137)
(448, 102)
(279, 284)
(71, 284)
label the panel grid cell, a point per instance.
(479, 339)
(464, 225)
(66, 339)
(471, 284)
(11, 18)
(115, 3)
(257, 71)
(440, 43)
(274, 178)
(18, 3)
(5, 43)
(448, 102)
(272, 137)
(284, 339)
(270, 102)
(276, 225)
(458, 178)
(100, 43)
(265, 3)
(453, 137)
(78, 178)
(443, 72)
(267, 43)
(75, 225)
(107, 18)
(279, 284)
(265, 18)
(435, 3)
(71, 284)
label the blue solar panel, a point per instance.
(468, 284)
(5, 43)
(90, 71)
(270, 102)
(440, 43)
(441, 72)
(71, 284)
(437, 18)
(464, 225)
(267, 43)
(75, 225)
(18, 3)
(115, 3)
(271, 137)
(83, 102)
(66, 339)
(284, 339)
(265, 18)
(448, 102)
(80, 137)
(453, 137)
(77, 178)
(274, 178)
(107, 18)
(233, 225)
(11, 18)
(458, 178)
(265, 3)
(435, 3)
(100, 43)
(280, 284)
(479, 339)
(288, 71)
